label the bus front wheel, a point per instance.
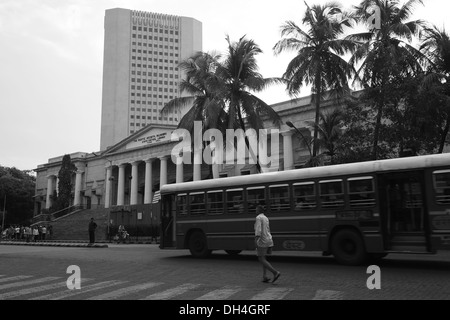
(198, 245)
(348, 248)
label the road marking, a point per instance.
(328, 295)
(272, 294)
(28, 282)
(22, 292)
(170, 293)
(220, 294)
(14, 278)
(70, 293)
(125, 291)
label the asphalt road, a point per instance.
(144, 272)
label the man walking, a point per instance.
(264, 243)
(92, 227)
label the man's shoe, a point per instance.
(276, 277)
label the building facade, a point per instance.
(142, 51)
(132, 171)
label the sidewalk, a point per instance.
(71, 243)
(55, 243)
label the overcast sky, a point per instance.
(51, 61)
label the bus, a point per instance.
(355, 211)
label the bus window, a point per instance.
(182, 203)
(442, 186)
(255, 196)
(279, 198)
(361, 192)
(304, 196)
(214, 201)
(235, 202)
(331, 194)
(197, 203)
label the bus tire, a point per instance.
(233, 252)
(348, 248)
(198, 245)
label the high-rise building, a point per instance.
(142, 51)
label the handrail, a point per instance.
(65, 211)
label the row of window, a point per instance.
(142, 51)
(139, 80)
(147, 37)
(132, 124)
(328, 194)
(144, 88)
(143, 109)
(134, 65)
(149, 118)
(155, 30)
(134, 58)
(144, 73)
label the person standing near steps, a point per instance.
(264, 244)
(91, 229)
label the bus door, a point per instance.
(403, 211)
(167, 232)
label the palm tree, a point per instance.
(200, 85)
(319, 61)
(222, 91)
(385, 53)
(240, 78)
(436, 46)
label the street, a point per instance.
(136, 271)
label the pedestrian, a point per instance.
(44, 232)
(92, 227)
(264, 243)
(35, 233)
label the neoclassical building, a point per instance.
(129, 174)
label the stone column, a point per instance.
(121, 185)
(180, 171)
(77, 196)
(108, 187)
(288, 154)
(48, 201)
(163, 171)
(134, 182)
(148, 181)
(197, 166)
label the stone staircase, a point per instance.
(74, 226)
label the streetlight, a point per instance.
(290, 124)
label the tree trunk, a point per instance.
(377, 131)
(444, 134)
(317, 118)
(247, 143)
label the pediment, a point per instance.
(146, 137)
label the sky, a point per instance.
(51, 63)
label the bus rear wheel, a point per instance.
(198, 245)
(348, 248)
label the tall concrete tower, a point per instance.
(142, 51)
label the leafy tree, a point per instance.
(436, 46)
(330, 133)
(319, 61)
(385, 53)
(65, 184)
(19, 187)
